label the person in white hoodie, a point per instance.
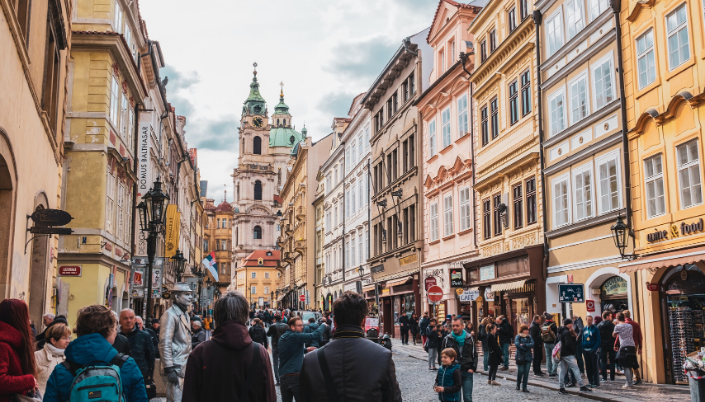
(57, 338)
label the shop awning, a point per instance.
(398, 282)
(499, 287)
(670, 259)
(368, 288)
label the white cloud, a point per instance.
(324, 51)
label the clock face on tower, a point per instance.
(257, 121)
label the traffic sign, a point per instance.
(302, 298)
(571, 293)
(435, 293)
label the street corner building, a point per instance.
(34, 43)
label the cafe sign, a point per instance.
(456, 278)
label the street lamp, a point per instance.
(179, 262)
(151, 214)
(620, 231)
(361, 271)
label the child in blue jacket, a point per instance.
(449, 379)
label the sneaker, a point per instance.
(627, 386)
(637, 382)
(553, 375)
(489, 382)
(585, 389)
(571, 385)
(562, 391)
(524, 390)
(495, 383)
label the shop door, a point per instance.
(521, 312)
(387, 317)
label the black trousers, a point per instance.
(493, 372)
(290, 388)
(404, 335)
(604, 353)
(538, 357)
(591, 367)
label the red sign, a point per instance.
(430, 281)
(570, 278)
(302, 298)
(435, 293)
(69, 270)
(590, 304)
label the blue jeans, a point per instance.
(485, 357)
(505, 353)
(604, 353)
(467, 386)
(523, 369)
(290, 388)
(551, 367)
(569, 364)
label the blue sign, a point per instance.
(571, 293)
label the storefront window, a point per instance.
(613, 294)
(409, 305)
(396, 310)
(521, 315)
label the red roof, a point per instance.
(224, 207)
(271, 261)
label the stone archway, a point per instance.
(599, 277)
(39, 265)
(8, 199)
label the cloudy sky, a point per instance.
(325, 51)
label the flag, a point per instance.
(209, 261)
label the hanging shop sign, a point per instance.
(138, 278)
(456, 278)
(590, 306)
(70, 270)
(487, 272)
(144, 173)
(173, 226)
(489, 294)
(571, 293)
(469, 295)
(51, 217)
(430, 281)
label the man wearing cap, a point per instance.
(175, 341)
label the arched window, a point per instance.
(257, 233)
(257, 146)
(277, 122)
(258, 190)
(285, 122)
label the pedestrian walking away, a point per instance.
(258, 334)
(506, 336)
(568, 340)
(312, 326)
(404, 329)
(535, 333)
(349, 367)
(495, 352)
(229, 366)
(423, 328)
(433, 343)
(275, 331)
(291, 357)
(449, 378)
(607, 354)
(549, 334)
(524, 344)
(625, 348)
(96, 327)
(636, 329)
(483, 340)
(18, 367)
(591, 345)
(413, 328)
(463, 343)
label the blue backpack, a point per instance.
(98, 381)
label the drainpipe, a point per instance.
(344, 205)
(463, 58)
(537, 21)
(369, 209)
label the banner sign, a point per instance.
(571, 293)
(138, 278)
(144, 174)
(173, 226)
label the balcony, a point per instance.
(300, 213)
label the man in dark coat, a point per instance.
(198, 335)
(155, 336)
(312, 327)
(141, 347)
(423, 327)
(121, 344)
(464, 345)
(535, 333)
(225, 367)
(506, 337)
(275, 331)
(606, 328)
(359, 370)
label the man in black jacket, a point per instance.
(506, 338)
(141, 348)
(358, 369)
(569, 339)
(198, 336)
(606, 328)
(535, 333)
(275, 331)
(404, 329)
(464, 345)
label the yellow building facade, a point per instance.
(664, 72)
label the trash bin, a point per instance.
(696, 379)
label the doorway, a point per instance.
(387, 321)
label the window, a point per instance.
(22, 10)
(486, 225)
(462, 116)
(448, 215)
(341, 215)
(110, 202)
(395, 102)
(336, 180)
(412, 83)
(254, 275)
(114, 101)
(678, 46)
(493, 40)
(465, 209)
(597, 7)
(561, 210)
(483, 50)
(432, 138)
(495, 118)
(257, 145)
(578, 99)
(119, 211)
(205, 245)
(511, 16)
(655, 197)
(608, 171)
(335, 215)
(352, 200)
(52, 62)
(554, 31)
(224, 245)
(513, 103)
(582, 180)
(434, 221)
(118, 17)
(253, 290)
(329, 185)
(518, 206)
(445, 128)
(524, 9)
(602, 80)
(359, 146)
(360, 248)
(266, 276)
(525, 93)
(266, 290)
(530, 201)
(483, 126)
(442, 61)
(556, 112)
(574, 17)
(405, 91)
(689, 174)
(258, 190)
(352, 251)
(257, 233)
(452, 52)
(497, 218)
(646, 61)
(361, 203)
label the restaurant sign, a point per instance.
(684, 229)
(456, 278)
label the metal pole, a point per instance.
(151, 249)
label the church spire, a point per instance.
(281, 108)
(254, 104)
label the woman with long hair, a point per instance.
(496, 356)
(483, 340)
(17, 366)
(414, 326)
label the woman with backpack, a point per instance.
(96, 327)
(17, 364)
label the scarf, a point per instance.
(54, 350)
(459, 338)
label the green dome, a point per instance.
(284, 137)
(281, 107)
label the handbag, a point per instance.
(151, 388)
(32, 396)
